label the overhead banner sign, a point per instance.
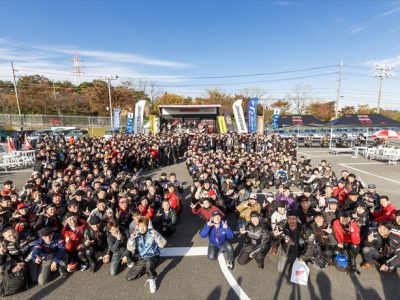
(117, 119)
(129, 123)
(239, 116)
(252, 114)
(260, 124)
(139, 111)
(275, 118)
(168, 111)
(222, 124)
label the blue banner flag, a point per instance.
(129, 123)
(252, 114)
(117, 118)
(275, 118)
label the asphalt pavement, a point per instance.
(195, 277)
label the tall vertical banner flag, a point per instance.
(139, 111)
(152, 120)
(129, 123)
(222, 124)
(228, 121)
(260, 124)
(252, 114)
(239, 116)
(117, 118)
(275, 118)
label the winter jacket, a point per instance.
(340, 194)
(343, 235)
(257, 237)
(281, 197)
(216, 236)
(147, 245)
(206, 213)
(389, 247)
(174, 202)
(386, 214)
(246, 211)
(75, 236)
(55, 250)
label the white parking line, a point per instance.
(369, 173)
(327, 154)
(202, 251)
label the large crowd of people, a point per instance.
(87, 204)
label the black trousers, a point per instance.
(144, 265)
(244, 256)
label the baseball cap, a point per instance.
(215, 213)
(253, 196)
(21, 205)
(254, 214)
(371, 186)
(46, 231)
(333, 200)
(212, 193)
(94, 220)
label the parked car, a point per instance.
(34, 136)
(76, 134)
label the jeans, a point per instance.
(369, 254)
(244, 256)
(144, 265)
(213, 251)
(115, 264)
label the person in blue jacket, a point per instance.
(49, 254)
(219, 234)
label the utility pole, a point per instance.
(109, 78)
(16, 95)
(382, 72)
(339, 83)
(55, 97)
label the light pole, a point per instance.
(109, 78)
(382, 72)
(16, 94)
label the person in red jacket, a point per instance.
(145, 209)
(347, 234)
(386, 213)
(340, 192)
(205, 209)
(72, 234)
(173, 198)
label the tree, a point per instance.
(347, 110)
(325, 111)
(148, 87)
(168, 99)
(300, 97)
(283, 105)
(365, 109)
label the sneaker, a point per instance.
(84, 266)
(230, 265)
(130, 265)
(152, 285)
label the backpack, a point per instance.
(341, 262)
(12, 283)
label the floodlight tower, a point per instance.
(382, 72)
(77, 68)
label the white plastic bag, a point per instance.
(300, 272)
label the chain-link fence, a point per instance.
(57, 120)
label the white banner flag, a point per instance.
(239, 116)
(138, 123)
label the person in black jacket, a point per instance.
(116, 242)
(165, 219)
(95, 243)
(383, 246)
(257, 241)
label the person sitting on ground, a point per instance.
(382, 246)
(49, 254)
(219, 235)
(257, 241)
(165, 219)
(387, 212)
(147, 242)
(246, 207)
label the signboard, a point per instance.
(168, 111)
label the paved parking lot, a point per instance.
(193, 276)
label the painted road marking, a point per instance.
(202, 251)
(369, 173)
(309, 155)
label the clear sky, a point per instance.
(170, 41)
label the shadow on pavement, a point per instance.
(390, 285)
(48, 289)
(324, 286)
(215, 293)
(363, 293)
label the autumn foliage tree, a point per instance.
(325, 111)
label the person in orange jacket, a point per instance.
(386, 213)
(347, 234)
